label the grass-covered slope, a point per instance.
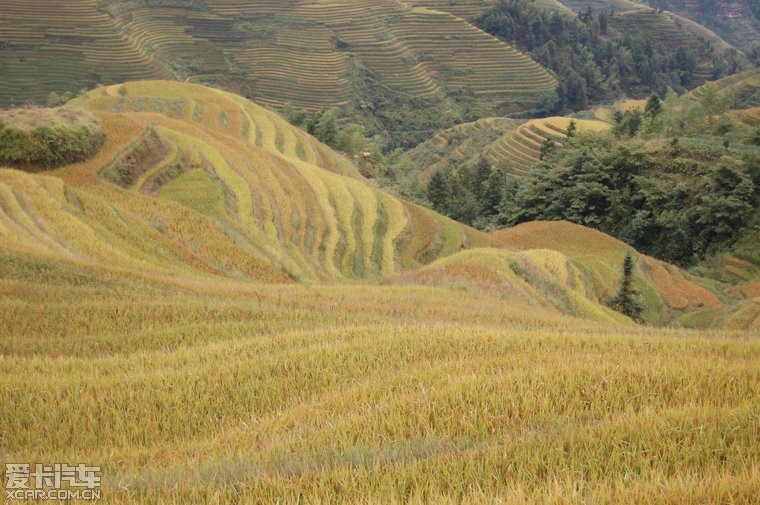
(541, 278)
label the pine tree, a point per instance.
(547, 148)
(438, 192)
(626, 300)
(493, 193)
(482, 173)
(653, 108)
(571, 128)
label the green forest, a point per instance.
(597, 59)
(679, 180)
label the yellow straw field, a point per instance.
(213, 314)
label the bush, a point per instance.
(44, 139)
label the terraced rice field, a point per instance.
(470, 9)
(511, 144)
(742, 88)
(303, 52)
(517, 151)
(183, 310)
(64, 46)
(465, 9)
(749, 117)
(617, 6)
(461, 146)
(279, 204)
(218, 391)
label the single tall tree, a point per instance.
(653, 107)
(482, 173)
(438, 192)
(626, 300)
(571, 128)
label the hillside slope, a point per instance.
(724, 27)
(194, 184)
(513, 145)
(671, 295)
(151, 323)
(736, 21)
(195, 177)
(369, 58)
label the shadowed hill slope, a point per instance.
(674, 24)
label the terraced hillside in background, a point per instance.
(510, 144)
(515, 144)
(465, 9)
(671, 33)
(50, 46)
(470, 9)
(662, 28)
(738, 91)
(736, 21)
(313, 54)
(460, 146)
(519, 149)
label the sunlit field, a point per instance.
(234, 392)
(216, 308)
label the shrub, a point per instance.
(42, 138)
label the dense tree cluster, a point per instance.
(663, 202)
(593, 61)
(471, 196)
(663, 180)
(321, 124)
